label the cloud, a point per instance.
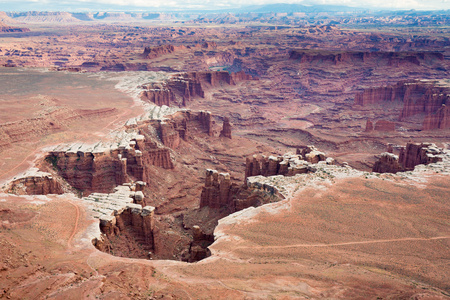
(213, 4)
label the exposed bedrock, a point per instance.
(361, 57)
(226, 128)
(418, 97)
(409, 157)
(185, 124)
(287, 165)
(154, 52)
(380, 125)
(183, 87)
(127, 227)
(101, 169)
(438, 120)
(34, 182)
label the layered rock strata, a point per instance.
(154, 52)
(360, 57)
(409, 157)
(430, 98)
(287, 165)
(101, 167)
(183, 87)
(34, 182)
(218, 191)
(119, 215)
(226, 128)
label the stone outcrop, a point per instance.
(417, 154)
(218, 191)
(34, 182)
(183, 87)
(361, 57)
(369, 126)
(226, 128)
(154, 52)
(198, 249)
(380, 125)
(387, 163)
(383, 125)
(418, 97)
(438, 120)
(159, 94)
(100, 168)
(409, 157)
(120, 217)
(184, 125)
(287, 165)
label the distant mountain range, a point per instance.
(25, 6)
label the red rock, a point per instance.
(154, 52)
(438, 120)
(388, 163)
(410, 156)
(369, 126)
(226, 130)
(383, 125)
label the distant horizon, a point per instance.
(177, 6)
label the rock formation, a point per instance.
(383, 125)
(438, 120)
(34, 182)
(287, 165)
(409, 157)
(226, 129)
(417, 97)
(159, 94)
(100, 167)
(218, 190)
(361, 57)
(387, 163)
(183, 87)
(120, 218)
(198, 249)
(154, 52)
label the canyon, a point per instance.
(303, 156)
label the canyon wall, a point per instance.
(100, 169)
(418, 97)
(287, 165)
(183, 87)
(409, 157)
(361, 57)
(34, 182)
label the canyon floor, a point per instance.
(85, 109)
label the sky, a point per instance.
(90, 5)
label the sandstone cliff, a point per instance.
(34, 182)
(100, 168)
(183, 87)
(226, 128)
(410, 156)
(417, 97)
(287, 164)
(154, 52)
(127, 227)
(438, 120)
(361, 57)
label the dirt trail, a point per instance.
(347, 243)
(75, 227)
